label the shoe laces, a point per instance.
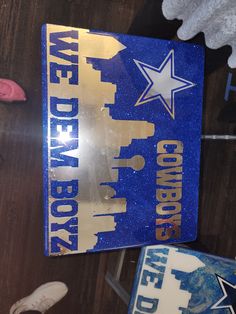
(43, 303)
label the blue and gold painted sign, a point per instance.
(122, 126)
(174, 280)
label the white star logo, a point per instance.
(162, 83)
(228, 301)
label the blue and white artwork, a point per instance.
(181, 281)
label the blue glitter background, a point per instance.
(137, 225)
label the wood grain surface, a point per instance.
(22, 264)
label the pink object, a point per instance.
(11, 91)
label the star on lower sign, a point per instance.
(228, 301)
(162, 83)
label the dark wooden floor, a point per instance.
(22, 264)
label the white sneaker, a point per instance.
(41, 299)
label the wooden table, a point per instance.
(22, 264)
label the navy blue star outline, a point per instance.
(228, 301)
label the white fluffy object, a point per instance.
(216, 18)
